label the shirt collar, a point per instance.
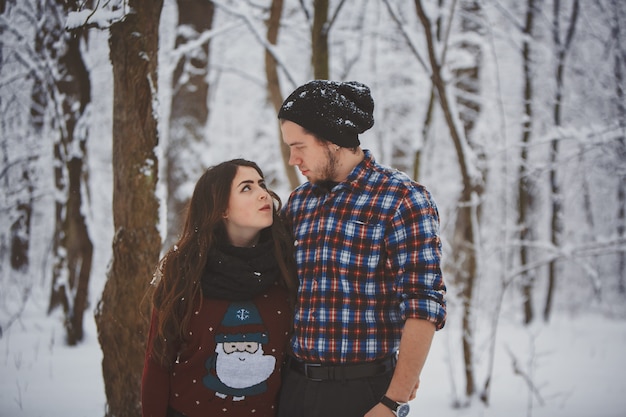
(361, 173)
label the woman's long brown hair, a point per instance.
(178, 290)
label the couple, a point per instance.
(326, 307)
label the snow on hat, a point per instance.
(242, 323)
(334, 111)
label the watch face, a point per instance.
(403, 410)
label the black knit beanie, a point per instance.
(335, 111)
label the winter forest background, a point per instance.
(512, 113)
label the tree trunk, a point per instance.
(467, 77)
(319, 38)
(525, 184)
(556, 217)
(122, 322)
(621, 219)
(465, 269)
(18, 181)
(428, 121)
(463, 244)
(273, 84)
(430, 107)
(189, 111)
(72, 245)
(467, 83)
(620, 99)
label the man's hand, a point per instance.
(414, 391)
(414, 346)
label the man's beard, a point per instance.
(329, 173)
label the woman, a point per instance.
(222, 303)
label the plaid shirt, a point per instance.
(368, 255)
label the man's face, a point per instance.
(313, 157)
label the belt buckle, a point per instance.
(311, 365)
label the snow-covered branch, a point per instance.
(241, 13)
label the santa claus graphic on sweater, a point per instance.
(239, 367)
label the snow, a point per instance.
(572, 367)
(41, 376)
(99, 18)
(576, 365)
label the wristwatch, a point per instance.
(399, 409)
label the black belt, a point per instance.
(319, 372)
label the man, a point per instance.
(368, 255)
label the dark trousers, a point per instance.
(302, 397)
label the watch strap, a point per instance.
(390, 404)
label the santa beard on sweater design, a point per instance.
(243, 364)
(241, 368)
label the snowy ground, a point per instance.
(576, 365)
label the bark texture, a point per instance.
(122, 325)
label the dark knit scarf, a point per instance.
(237, 274)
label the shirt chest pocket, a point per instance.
(361, 246)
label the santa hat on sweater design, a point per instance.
(242, 323)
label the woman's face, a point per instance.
(250, 208)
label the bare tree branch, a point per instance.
(260, 38)
(408, 39)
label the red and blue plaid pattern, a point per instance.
(368, 255)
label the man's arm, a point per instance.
(415, 343)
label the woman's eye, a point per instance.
(246, 188)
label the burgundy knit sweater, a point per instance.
(231, 365)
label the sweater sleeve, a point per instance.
(154, 381)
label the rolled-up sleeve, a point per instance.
(414, 248)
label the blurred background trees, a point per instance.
(512, 113)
